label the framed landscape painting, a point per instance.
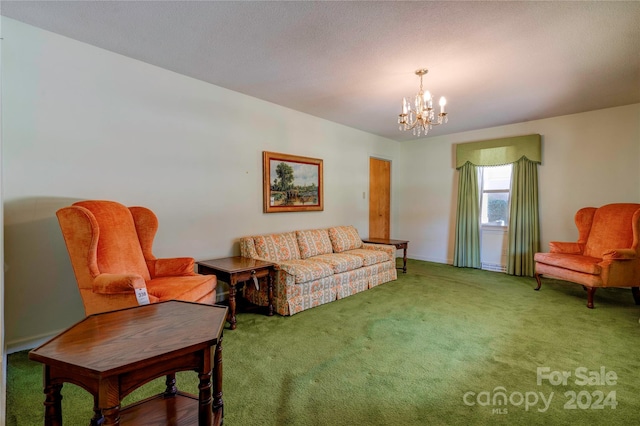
(291, 183)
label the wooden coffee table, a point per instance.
(236, 270)
(399, 244)
(113, 353)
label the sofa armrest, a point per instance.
(117, 283)
(620, 254)
(391, 250)
(566, 248)
(171, 267)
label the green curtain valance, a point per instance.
(496, 152)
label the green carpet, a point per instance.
(434, 347)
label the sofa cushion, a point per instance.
(305, 270)
(313, 242)
(370, 257)
(340, 262)
(277, 247)
(344, 238)
(189, 288)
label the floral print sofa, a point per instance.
(317, 266)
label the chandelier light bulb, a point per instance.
(443, 102)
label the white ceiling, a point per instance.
(352, 62)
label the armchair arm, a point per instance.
(620, 271)
(620, 254)
(566, 248)
(117, 283)
(171, 267)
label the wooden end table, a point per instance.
(399, 244)
(113, 353)
(235, 270)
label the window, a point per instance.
(495, 183)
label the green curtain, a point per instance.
(467, 244)
(525, 153)
(524, 232)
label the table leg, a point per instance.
(96, 420)
(270, 293)
(52, 403)
(232, 304)
(404, 260)
(218, 403)
(205, 412)
(111, 416)
(109, 400)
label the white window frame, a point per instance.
(492, 191)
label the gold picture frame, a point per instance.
(291, 183)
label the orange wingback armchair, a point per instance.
(606, 253)
(110, 246)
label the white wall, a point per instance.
(588, 159)
(85, 123)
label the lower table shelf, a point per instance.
(178, 410)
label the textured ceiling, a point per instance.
(352, 62)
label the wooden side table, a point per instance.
(399, 244)
(113, 353)
(235, 270)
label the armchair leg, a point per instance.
(590, 292)
(538, 281)
(636, 294)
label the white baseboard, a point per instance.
(30, 342)
(432, 259)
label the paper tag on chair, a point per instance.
(142, 296)
(255, 282)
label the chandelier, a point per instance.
(419, 115)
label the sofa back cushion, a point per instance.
(344, 238)
(277, 247)
(612, 228)
(313, 242)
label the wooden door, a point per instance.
(379, 198)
